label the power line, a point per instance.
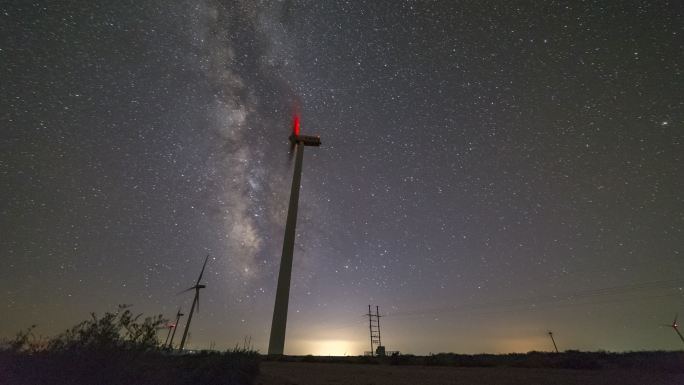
(589, 297)
(568, 296)
(548, 306)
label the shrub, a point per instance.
(118, 348)
(119, 330)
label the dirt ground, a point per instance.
(304, 373)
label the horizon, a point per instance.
(488, 172)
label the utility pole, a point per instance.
(554, 341)
(377, 317)
(370, 328)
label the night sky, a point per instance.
(490, 170)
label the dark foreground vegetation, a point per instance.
(648, 361)
(307, 373)
(118, 348)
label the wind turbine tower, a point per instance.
(276, 342)
(195, 302)
(175, 327)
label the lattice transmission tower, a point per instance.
(377, 349)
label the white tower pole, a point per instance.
(276, 344)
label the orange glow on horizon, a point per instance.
(327, 347)
(522, 345)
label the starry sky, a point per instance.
(490, 170)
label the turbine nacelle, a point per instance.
(307, 140)
(675, 327)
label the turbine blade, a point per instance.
(203, 266)
(185, 291)
(675, 320)
(197, 301)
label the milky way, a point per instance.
(488, 171)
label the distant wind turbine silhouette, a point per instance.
(675, 327)
(169, 326)
(553, 340)
(195, 303)
(174, 326)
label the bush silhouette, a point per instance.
(119, 330)
(117, 348)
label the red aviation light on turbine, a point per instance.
(295, 126)
(306, 140)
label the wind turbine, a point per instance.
(195, 302)
(674, 326)
(554, 341)
(174, 326)
(276, 343)
(169, 326)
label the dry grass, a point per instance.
(120, 367)
(303, 373)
